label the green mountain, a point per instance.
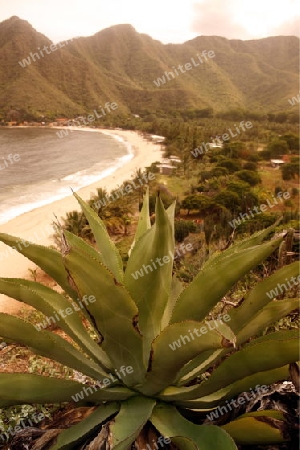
(120, 65)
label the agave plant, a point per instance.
(136, 322)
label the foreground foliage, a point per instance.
(136, 321)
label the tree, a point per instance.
(183, 228)
(241, 188)
(277, 147)
(233, 149)
(231, 166)
(290, 170)
(219, 172)
(199, 203)
(250, 166)
(249, 177)
(292, 141)
(228, 199)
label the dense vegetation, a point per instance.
(222, 184)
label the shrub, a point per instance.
(250, 166)
(183, 228)
(249, 177)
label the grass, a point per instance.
(179, 186)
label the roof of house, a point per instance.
(166, 166)
(277, 161)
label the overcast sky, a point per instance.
(166, 20)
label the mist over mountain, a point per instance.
(120, 65)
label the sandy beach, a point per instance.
(35, 225)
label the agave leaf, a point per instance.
(210, 285)
(151, 291)
(169, 422)
(259, 427)
(184, 443)
(198, 365)
(256, 238)
(109, 253)
(171, 214)
(254, 322)
(266, 317)
(216, 398)
(50, 303)
(100, 395)
(258, 296)
(25, 388)
(133, 415)
(168, 358)
(74, 241)
(269, 315)
(46, 258)
(88, 251)
(265, 353)
(47, 344)
(114, 312)
(251, 241)
(144, 223)
(76, 434)
(84, 248)
(176, 289)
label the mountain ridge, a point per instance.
(120, 65)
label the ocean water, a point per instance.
(49, 167)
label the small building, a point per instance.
(165, 169)
(276, 163)
(157, 139)
(175, 159)
(213, 145)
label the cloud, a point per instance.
(166, 20)
(240, 19)
(217, 18)
(288, 28)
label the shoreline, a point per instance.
(35, 225)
